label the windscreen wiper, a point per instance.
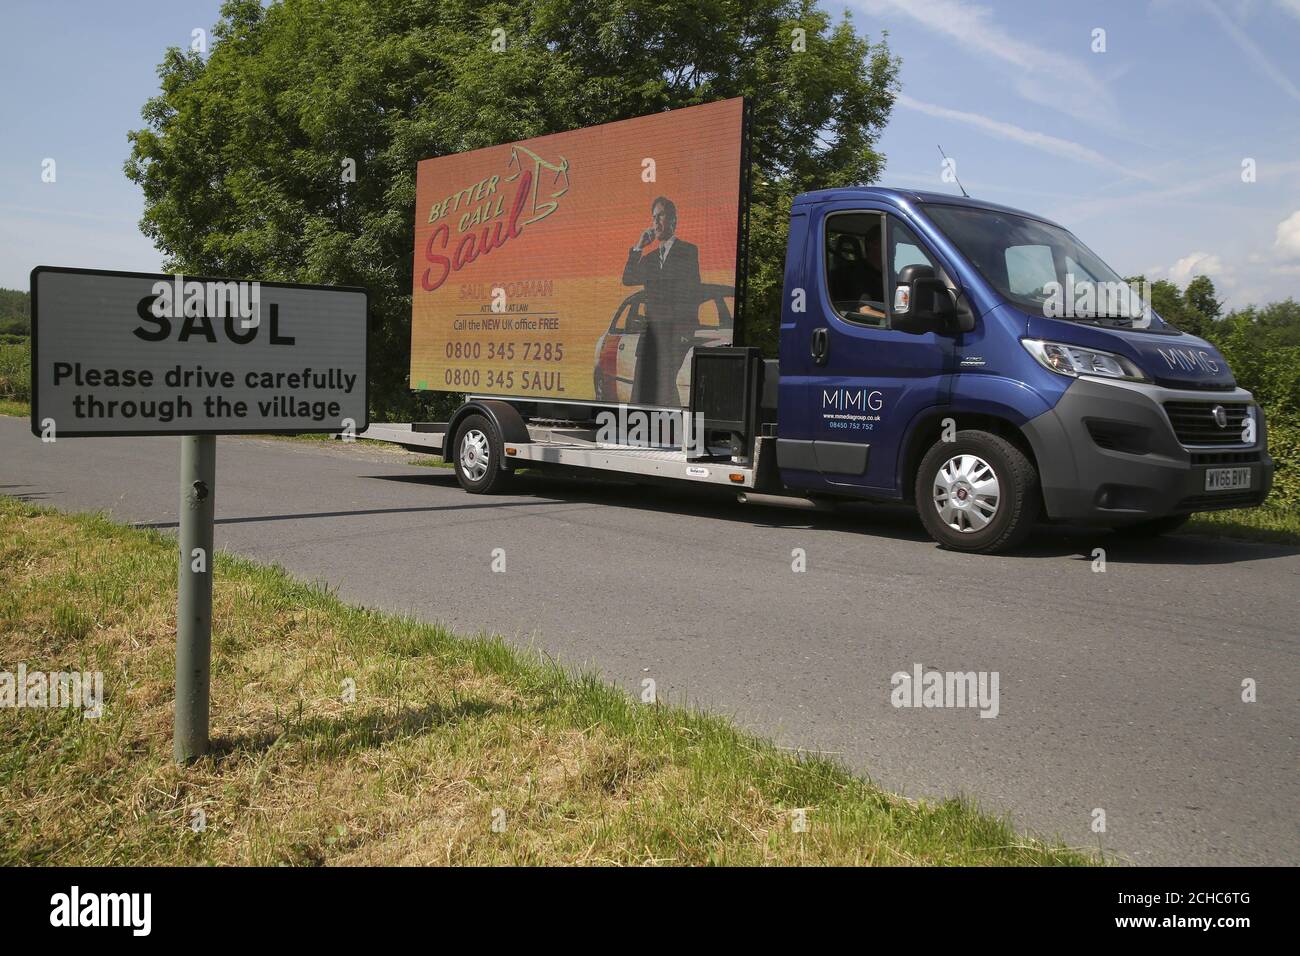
(1119, 321)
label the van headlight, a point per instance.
(1074, 360)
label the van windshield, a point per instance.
(1042, 268)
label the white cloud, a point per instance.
(1055, 145)
(1287, 243)
(1239, 280)
(1290, 6)
(1047, 78)
(1200, 264)
(1252, 51)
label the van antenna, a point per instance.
(954, 172)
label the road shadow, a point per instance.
(436, 476)
(29, 496)
(250, 519)
(869, 519)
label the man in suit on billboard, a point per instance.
(670, 274)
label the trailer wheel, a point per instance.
(978, 493)
(479, 466)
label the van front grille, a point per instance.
(1194, 422)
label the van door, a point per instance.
(866, 380)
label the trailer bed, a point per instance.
(568, 447)
(411, 437)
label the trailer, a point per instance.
(717, 440)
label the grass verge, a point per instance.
(15, 369)
(9, 406)
(327, 438)
(446, 736)
(322, 438)
(1274, 522)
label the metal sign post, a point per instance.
(194, 596)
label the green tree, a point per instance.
(240, 157)
(1199, 295)
(1262, 346)
(1171, 305)
(15, 312)
(1265, 358)
(1277, 322)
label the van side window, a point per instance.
(905, 250)
(855, 267)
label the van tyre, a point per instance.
(479, 457)
(979, 493)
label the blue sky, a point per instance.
(1138, 149)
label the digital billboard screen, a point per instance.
(580, 266)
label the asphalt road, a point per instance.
(1118, 690)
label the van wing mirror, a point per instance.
(922, 303)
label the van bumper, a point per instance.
(1107, 453)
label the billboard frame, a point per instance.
(740, 278)
(741, 282)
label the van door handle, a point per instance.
(821, 345)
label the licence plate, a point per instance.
(1227, 479)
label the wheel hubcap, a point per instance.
(966, 493)
(474, 454)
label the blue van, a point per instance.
(975, 360)
(977, 387)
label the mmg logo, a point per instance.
(852, 400)
(1187, 360)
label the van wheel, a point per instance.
(978, 493)
(1153, 528)
(479, 467)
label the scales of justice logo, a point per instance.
(483, 224)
